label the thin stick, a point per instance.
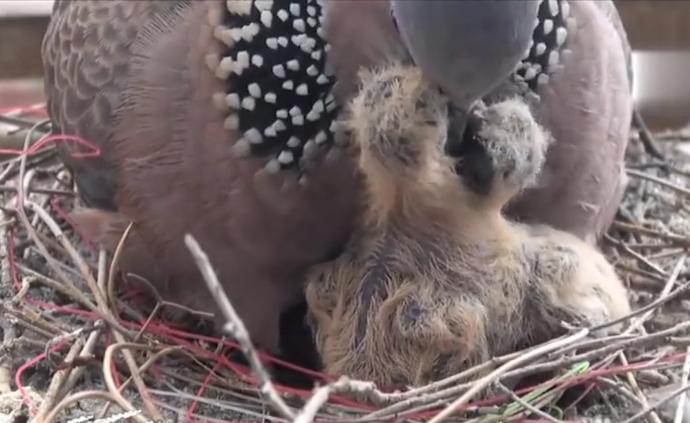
(66, 289)
(680, 408)
(620, 388)
(649, 307)
(321, 395)
(646, 136)
(52, 395)
(603, 351)
(84, 269)
(637, 323)
(21, 196)
(110, 381)
(223, 405)
(676, 239)
(665, 293)
(144, 367)
(642, 259)
(48, 191)
(491, 377)
(235, 327)
(84, 395)
(632, 381)
(129, 357)
(87, 351)
(659, 181)
(412, 395)
(658, 404)
(525, 404)
(110, 289)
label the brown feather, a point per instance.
(435, 279)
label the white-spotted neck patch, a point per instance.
(278, 93)
(553, 28)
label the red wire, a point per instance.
(92, 150)
(39, 108)
(201, 391)
(27, 365)
(183, 338)
(55, 205)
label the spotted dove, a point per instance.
(217, 118)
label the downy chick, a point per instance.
(435, 278)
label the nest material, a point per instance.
(75, 344)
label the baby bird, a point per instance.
(436, 279)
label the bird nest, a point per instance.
(77, 346)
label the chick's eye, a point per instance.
(412, 314)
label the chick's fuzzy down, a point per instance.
(435, 278)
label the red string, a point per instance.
(201, 391)
(62, 214)
(34, 109)
(38, 108)
(175, 336)
(183, 338)
(92, 150)
(24, 367)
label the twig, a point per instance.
(84, 395)
(646, 136)
(86, 351)
(666, 254)
(144, 367)
(620, 388)
(639, 257)
(637, 323)
(674, 238)
(102, 308)
(658, 404)
(665, 293)
(112, 387)
(652, 338)
(57, 382)
(450, 386)
(129, 358)
(34, 321)
(680, 408)
(412, 395)
(110, 289)
(646, 309)
(321, 395)
(632, 381)
(663, 182)
(66, 289)
(235, 327)
(48, 191)
(160, 303)
(525, 404)
(620, 267)
(491, 377)
(223, 405)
